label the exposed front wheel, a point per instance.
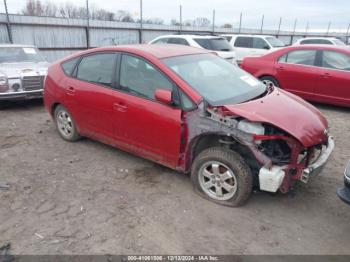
(222, 176)
(65, 124)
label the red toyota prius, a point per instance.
(319, 73)
(192, 111)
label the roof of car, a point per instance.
(251, 35)
(159, 51)
(204, 36)
(317, 37)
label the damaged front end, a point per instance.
(277, 159)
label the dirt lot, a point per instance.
(89, 198)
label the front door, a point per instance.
(144, 125)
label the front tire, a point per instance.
(65, 124)
(221, 176)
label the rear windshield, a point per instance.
(216, 44)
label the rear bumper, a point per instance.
(24, 95)
(315, 168)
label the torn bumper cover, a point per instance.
(316, 167)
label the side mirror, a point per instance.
(266, 47)
(164, 96)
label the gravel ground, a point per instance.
(89, 198)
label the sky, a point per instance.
(318, 13)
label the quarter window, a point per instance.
(97, 69)
(335, 60)
(299, 57)
(141, 78)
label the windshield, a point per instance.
(216, 44)
(218, 81)
(20, 54)
(338, 42)
(275, 42)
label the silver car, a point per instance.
(22, 72)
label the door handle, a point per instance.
(326, 75)
(121, 107)
(280, 68)
(70, 90)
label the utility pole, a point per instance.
(329, 27)
(8, 24)
(141, 22)
(240, 23)
(347, 35)
(262, 24)
(180, 19)
(307, 28)
(213, 30)
(279, 27)
(87, 25)
(295, 27)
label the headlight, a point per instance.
(4, 85)
(251, 128)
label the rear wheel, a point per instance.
(222, 176)
(269, 80)
(65, 124)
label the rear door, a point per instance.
(296, 72)
(334, 81)
(89, 94)
(145, 126)
(243, 47)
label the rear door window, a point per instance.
(335, 60)
(97, 68)
(244, 41)
(177, 41)
(299, 57)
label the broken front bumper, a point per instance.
(316, 167)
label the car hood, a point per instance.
(14, 70)
(287, 112)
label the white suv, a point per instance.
(319, 41)
(217, 44)
(253, 45)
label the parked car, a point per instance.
(253, 45)
(318, 73)
(319, 41)
(191, 111)
(217, 44)
(22, 72)
(344, 192)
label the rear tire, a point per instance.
(65, 124)
(270, 80)
(221, 176)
